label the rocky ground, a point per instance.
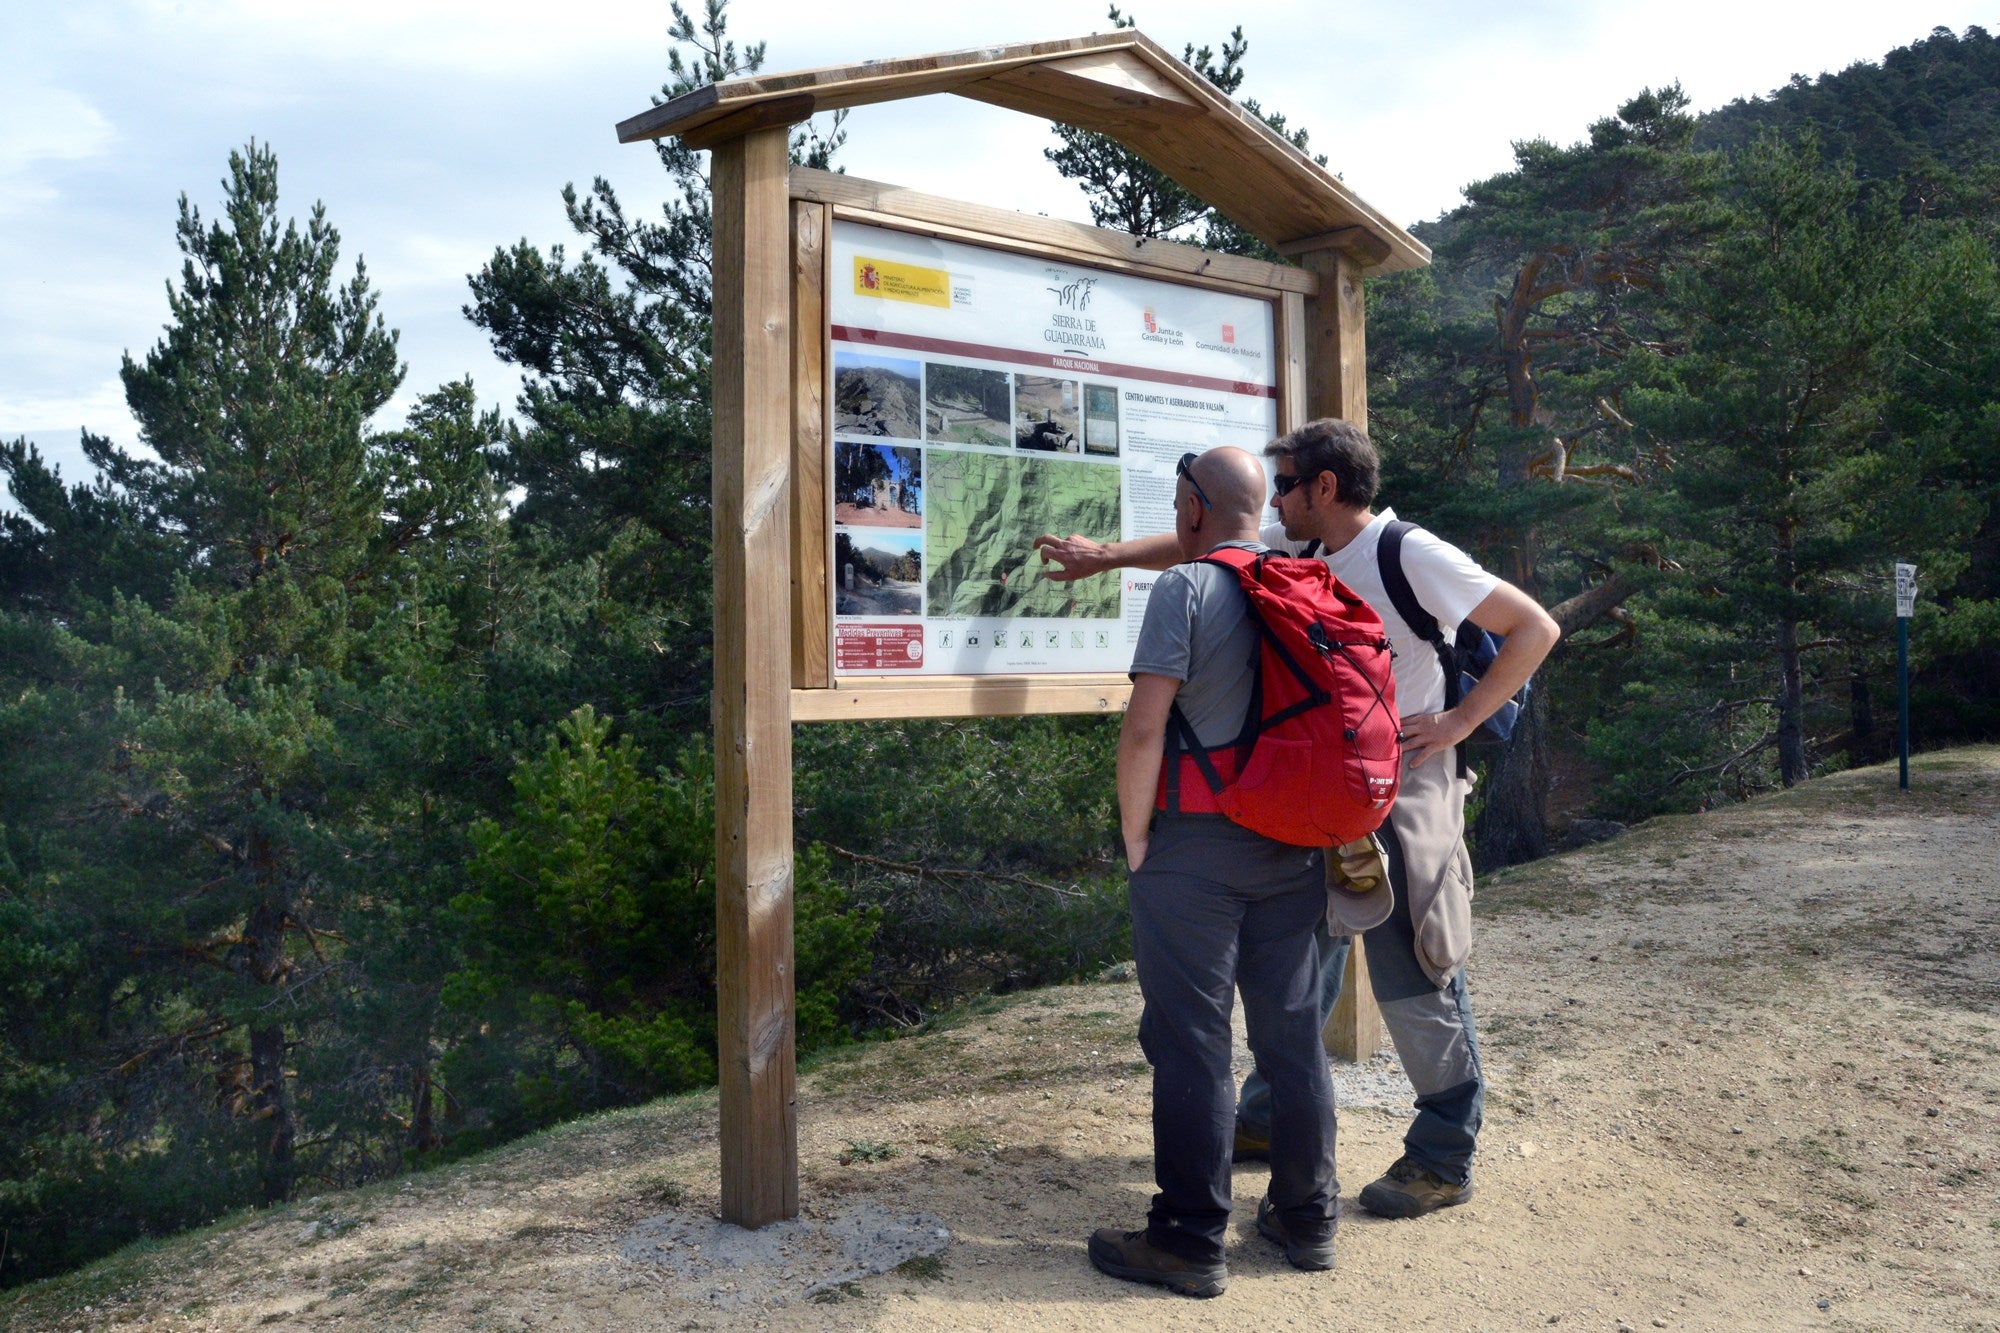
(1746, 1074)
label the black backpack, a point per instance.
(1464, 660)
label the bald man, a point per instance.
(1215, 908)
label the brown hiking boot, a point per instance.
(1128, 1254)
(1409, 1190)
(1314, 1256)
(1250, 1146)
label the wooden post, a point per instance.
(1337, 386)
(752, 374)
(1336, 338)
(1354, 1028)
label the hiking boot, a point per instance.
(1251, 1146)
(1128, 1254)
(1314, 1256)
(1409, 1190)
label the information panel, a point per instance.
(981, 398)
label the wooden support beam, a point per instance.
(1354, 1029)
(1336, 338)
(1363, 244)
(812, 506)
(1122, 73)
(783, 113)
(1116, 86)
(753, 669)
(962, 696)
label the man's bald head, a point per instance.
(1234, 482)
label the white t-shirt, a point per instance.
(1448, 584)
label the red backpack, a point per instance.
(1320, 755)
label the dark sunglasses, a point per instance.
(1285, 485)
(1185, 468)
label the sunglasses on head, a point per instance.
(1185, 468)
(1285, 485)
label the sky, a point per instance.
(437, 130)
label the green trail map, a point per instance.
(984, 511)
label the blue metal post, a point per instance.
(1903, 702)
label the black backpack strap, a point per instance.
(1184, 741)
(1177, 728)
(1389, 561)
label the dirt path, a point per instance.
(853, 515)
(890, 597)
(1746, 1074)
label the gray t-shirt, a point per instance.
(1198, 630)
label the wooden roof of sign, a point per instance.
(1119, 84)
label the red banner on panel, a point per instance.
(878, 647)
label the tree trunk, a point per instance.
(423, 1123)
(1791, 677)
(273, 1108)
(270, 1102)
(1791, 702)
(1861, 718)
(1513, 824)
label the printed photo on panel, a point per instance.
(877, 396)
(877, 572)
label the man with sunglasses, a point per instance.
(1327, 473)
(1216, 908)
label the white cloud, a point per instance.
(427, 264)
(46, 128)
(491, 37)
(56, 415)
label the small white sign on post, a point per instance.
(1906, 590)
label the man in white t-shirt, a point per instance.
(1327, 473)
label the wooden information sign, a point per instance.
(907, 390)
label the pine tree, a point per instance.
(1799, 482)
(199, 814)
(612, 459)
(256, 398)
(1504, 370)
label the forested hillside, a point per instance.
(1927, 116)
(1699, 383)
(355, 805)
